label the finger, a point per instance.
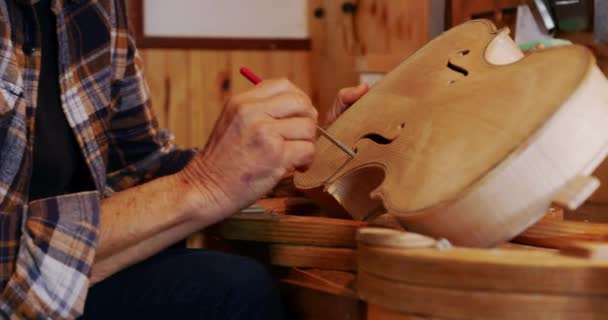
(298, 155)
(296, 128)
(348, 96)
(288, 104)
(269, 88)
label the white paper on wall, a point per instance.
(226, 18)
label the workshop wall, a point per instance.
(190, 83)
(190, 86)
(191, 74)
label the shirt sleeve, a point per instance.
(54, 260)
(139, 150)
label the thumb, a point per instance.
(350, 95)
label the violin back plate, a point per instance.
(457, 147)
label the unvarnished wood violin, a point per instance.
(469, 139)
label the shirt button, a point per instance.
(30, 50)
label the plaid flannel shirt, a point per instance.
(47, 247)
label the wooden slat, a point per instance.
(341, 259)
(313, 231)
(553, 232)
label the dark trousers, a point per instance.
(187, 284)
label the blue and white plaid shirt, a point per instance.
(47, 247)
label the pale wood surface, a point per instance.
(445, 146)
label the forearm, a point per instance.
(139, 222)
(105, 267)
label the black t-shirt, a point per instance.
(59, 165)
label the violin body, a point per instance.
(468, 141)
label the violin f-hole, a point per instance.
(377, 138)
(456, 68)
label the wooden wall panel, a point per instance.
(332, 60)
(189, 87)
(209, 89)
(293, 65)
(390, 27)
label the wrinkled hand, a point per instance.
(346, 97)
(260, 136)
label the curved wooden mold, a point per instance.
(466, 143)
(468, 283)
